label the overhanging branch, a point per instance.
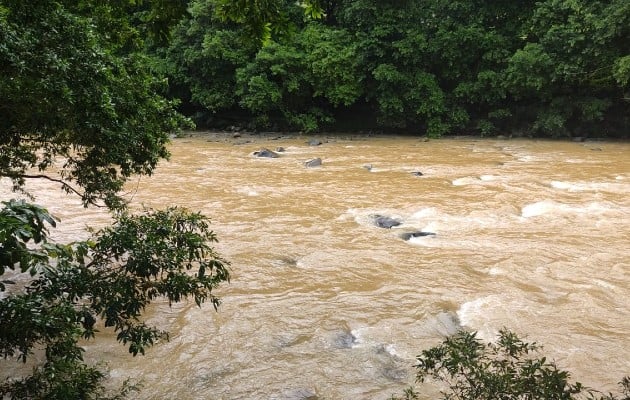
(63, 183)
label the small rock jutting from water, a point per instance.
(266, 153)
(417, 173)
(344, 340)
(315, 162)
(368, 167)
(385, 222)
(409, 235)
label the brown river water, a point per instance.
(530, 235)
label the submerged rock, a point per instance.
(314, 142)
(296, 394)
(315, 162)
(266, 153)
(344, 340)
(445, 323)
(409, 235)
(394, 372)
(385, 222)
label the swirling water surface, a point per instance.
(529, 235)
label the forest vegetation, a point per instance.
(551, 68)
(80, 107)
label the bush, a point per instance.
(509, 369)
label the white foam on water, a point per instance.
(475, 314)
(423, 240)
(359, 335)
(470, 311)
(560, 185)
(473, 180)
(528, 158)
(391, 350)
(549, 206)
(431, 219)
(467, 180)
(612, 187)
(379, 169)
(540, 208)
(364, 218)
(298, 149)
(431, 227)
(248, 191)
(496, 271)
(300, 263)
(428, 212)
(371, 337)
(604, 284)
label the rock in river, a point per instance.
(315, 162)
(409, 235)
(385, 222)
(314, 142)
(344, 340)
(266, 153)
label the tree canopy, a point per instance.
(547, 68)
(79, 102)
(81, 106)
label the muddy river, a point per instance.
(529, 235)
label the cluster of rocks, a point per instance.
(386, 222)
(380, 221)
(315, 162)
(266, 153)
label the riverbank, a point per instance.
(239, 137)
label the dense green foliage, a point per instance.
(509, 369)
(553, 68)
(111, 277)
(74, 86)
(80, 106)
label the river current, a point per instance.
(533, 236)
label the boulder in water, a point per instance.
(385, 222)
(409, 235)
(266, 153)
(417, 173)
(315, 162)
(344, 340)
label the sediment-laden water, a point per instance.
(529, 235)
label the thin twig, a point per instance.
(64, 184)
